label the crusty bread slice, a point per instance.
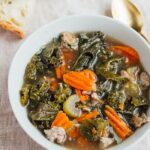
(13, 14)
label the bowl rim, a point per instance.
(40, 29)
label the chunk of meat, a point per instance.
(106, 141)
(95, 96)
(56, 134)
(69, 40)
(86, 92)
(138, 121)
(145, 80)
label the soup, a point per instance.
(86, 91)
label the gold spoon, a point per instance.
(126, 12)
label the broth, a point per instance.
(86, 91)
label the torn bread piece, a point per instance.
(13, 15)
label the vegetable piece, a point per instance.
(51, 54)
(39, 90)
(90, 115)
(53, 85)
(62, 92)
(91, 47)
(117, 123)
(132, 89)
(82, 97)
(90, 74)
(79, 81)
(61, 120)
(89, 129)
(114, 65)
(69, 106)
(24, 95)
(117, 99)
(133, 73)
(101, 126)
(86, 130)
(139, 101)
(60, 71)
(110, 75)
(44, 111)
(127, 51)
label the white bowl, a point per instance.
(45, 34)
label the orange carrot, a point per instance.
(60, 71)
(121, 106)
(94, 131)
(79, 81)
(82, 96)
(90, 74)
(119, 132)
(79, 119)
(61, 120)
(53, 85)
(117, 123)
(130, 53)
(84, 116)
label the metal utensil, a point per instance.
(126, 12)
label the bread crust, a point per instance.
(13, 28)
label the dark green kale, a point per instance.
(108, 75)
(91, 47)
(99, 125)
(115, 98)
(115, 65)
(62, 93)
(139, 101)
(51, 54)
(39, 91)
(34, 68)
(44, 111)
(86, 130)
(104, 87)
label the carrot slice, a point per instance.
(61, 120)
(53, 85)
(60, 71)
(119, 132)
(90, 74)
(80, 81)
(84, 116)
(81, 96)
(79, 119)
(117, 123)
(130, 53)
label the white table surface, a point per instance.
(12, 137)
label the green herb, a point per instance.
(62, 93)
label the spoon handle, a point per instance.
(145, 37)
